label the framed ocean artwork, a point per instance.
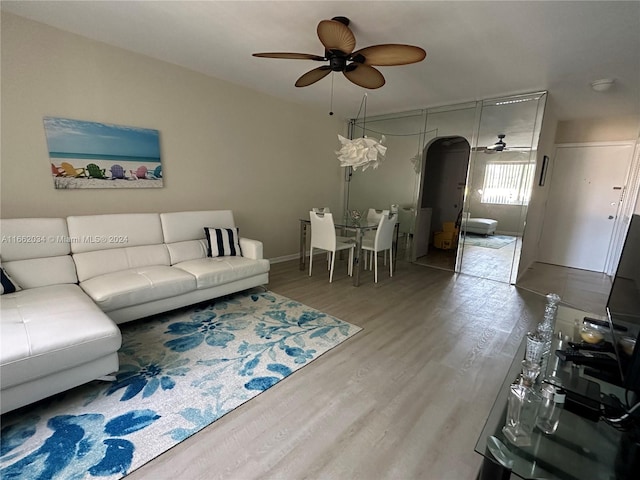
(100, 155)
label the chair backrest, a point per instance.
(406, 217)
(141, 172)
(94, 170)
(323, 232)
(384, 234)
(69, 169)
(374, 215)
(117, 171)
(321, 209)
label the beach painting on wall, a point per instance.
(100, 155)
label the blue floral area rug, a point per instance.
(179, 372)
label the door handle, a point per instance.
(610, 217)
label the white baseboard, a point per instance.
(294, 256)
(285, 258)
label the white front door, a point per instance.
(584, 196)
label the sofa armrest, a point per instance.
(251, 248)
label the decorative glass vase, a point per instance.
(522, 408)
(551, 406)
(545, 330)
(354, 217)
(522, 405)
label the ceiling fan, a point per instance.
(339, 43)
(501, 146)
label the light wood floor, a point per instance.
(500, 264)
(582, 289)
(406, 398)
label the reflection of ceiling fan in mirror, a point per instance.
(339, 42)
(501, 146)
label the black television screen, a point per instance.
(623, 307)
(624, 299)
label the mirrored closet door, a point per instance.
(460, 176)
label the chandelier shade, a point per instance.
(361, 152)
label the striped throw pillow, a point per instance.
(7, 284)
(223, 242)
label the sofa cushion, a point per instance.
(210, 272)
(35, 251)
(48, 329)
(187, 250)
(41, 272)
(223, 242)
(101, 262)
(103, 232)
(137, 285)
(24, 238)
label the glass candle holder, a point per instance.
(530, 372)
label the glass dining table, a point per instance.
(346, 225)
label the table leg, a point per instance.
(357, 255)
(303, 244)
(395, 246)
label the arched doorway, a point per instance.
(440, 201)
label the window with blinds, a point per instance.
(508, 183)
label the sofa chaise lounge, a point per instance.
(480, 226)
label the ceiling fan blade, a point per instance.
(389, 54)
(312, 76)
(364, 76)
(336, 36)
(290, 56)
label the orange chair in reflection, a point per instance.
(71, 171)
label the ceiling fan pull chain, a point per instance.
(331, 102)
(364, 120)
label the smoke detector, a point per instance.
(602, 85)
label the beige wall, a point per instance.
(222, 146)
(599, 130)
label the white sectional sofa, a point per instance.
(83, 275)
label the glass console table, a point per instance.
(580, 449)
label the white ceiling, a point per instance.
(475, 50)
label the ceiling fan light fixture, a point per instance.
(499, 146)
(602, 85)
(358, 67)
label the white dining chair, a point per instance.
(382, 242)
(323, 237)
(373, 216)
(340, 238)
